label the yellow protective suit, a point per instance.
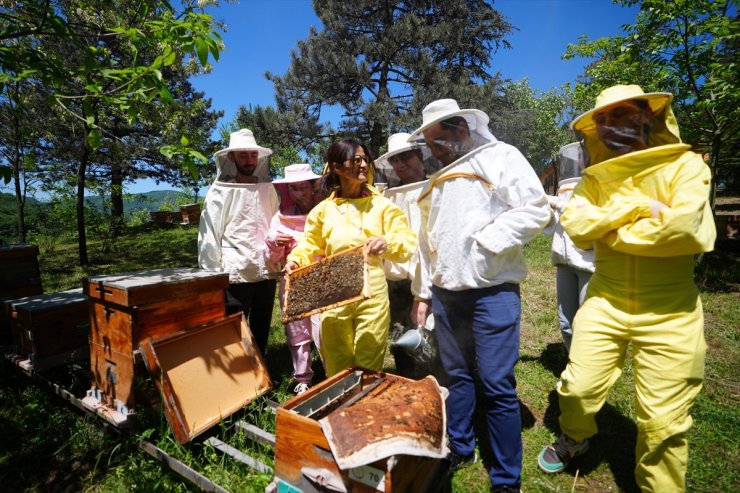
(643, 293)
(356, 334)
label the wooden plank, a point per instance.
(180, 468)
(239, 455)
(256, 434)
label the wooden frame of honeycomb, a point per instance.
(333, 281)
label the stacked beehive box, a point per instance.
(49, 329)
(19, 277)
(190, 213)
(127, 310)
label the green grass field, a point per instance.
(46, 445)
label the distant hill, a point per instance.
(150, 201)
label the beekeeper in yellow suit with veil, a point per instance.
(643, 204)
(354, 213)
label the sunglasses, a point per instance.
(358, 160)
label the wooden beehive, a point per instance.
(19, 271)
(168, 217)
(51, 328)
(190, 213)
(303, 453)
(126, 310)
(19, 277)
(331, 282)
(207, 373)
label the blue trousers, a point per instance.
(479, 328)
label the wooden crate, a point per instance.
(206, 374)
(127, 310)
(331, 282)
(301, 447)
(51, 328)
(190, 213)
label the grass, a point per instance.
(48, 446)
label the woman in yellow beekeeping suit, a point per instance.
(354, 213)
(644, 205)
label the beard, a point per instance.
(622, 140)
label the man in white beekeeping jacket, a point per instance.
(233, 226)
(477, 214)
(405, 167)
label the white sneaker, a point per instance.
(300, 388)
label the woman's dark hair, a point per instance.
(338, 152)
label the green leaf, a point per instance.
(133, 115)
(59, 25)
(167, 151)
(202, 49)
(200, 157)
(184, 140)
(193, 168)
(94, 139)
(166, 95)
(169, 58)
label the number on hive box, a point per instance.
(370, 476)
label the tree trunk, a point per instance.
(81, 235)
(116, 202)
(714, 165)
(20, 199)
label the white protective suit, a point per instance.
(235, 222)
(465, 248)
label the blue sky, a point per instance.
(261, 34)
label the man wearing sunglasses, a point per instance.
(476, 215)
(644, 206)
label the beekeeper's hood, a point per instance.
(242, 140)
(662, 128)
(444, 109)
(572, 160)
(294, 173)
(399, 144)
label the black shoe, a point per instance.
(457, 461)
(505, 488)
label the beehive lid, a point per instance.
(151, 286)
(18, 250)
(397, 416)
(206, 374)
(51, 301)
(331, 282)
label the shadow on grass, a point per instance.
(614, 444)
(718, 271)
(554, 358)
